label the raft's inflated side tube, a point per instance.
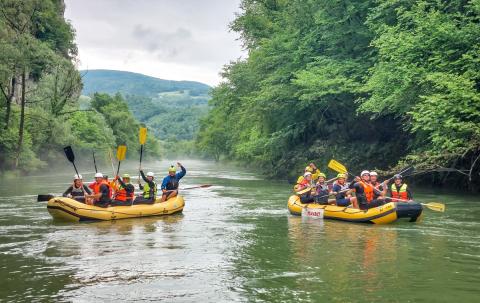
(67, 209)
(411, 210)
(383, 214)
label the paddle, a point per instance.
(336, 166)
(142, 138)
(405, 172)
(200, 186)
(44, 198)
(121, 152)
(94, 162)
(70, 156)
(111, 161)
(435, 206)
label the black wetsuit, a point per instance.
(77, 193)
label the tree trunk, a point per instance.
(22, 119)
(9, 98)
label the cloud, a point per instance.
(185, 39)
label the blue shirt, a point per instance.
(175, 178)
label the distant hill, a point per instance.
(128, 83)
(170, 109)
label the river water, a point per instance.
(235, 241)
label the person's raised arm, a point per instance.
(182, 173)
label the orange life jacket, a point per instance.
(368, 190)
(121, 194)
(401, 193)
(95, 186)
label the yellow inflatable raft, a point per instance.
(67, 209)
(384, 214)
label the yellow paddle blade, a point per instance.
(142, 136)
(121, 152)
(435, 206)
(336, 166)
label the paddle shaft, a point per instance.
(94, 162)
(140, 165)
(111, 161)
(118, 168)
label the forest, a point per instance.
(40, 108)
(374, 84)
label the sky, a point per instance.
(168, 39)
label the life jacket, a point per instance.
(343, 186)
(368, 191)
(400, 193)
(322, 189)
(96, 189)
(172, 183)
(146, 191)
(95, 186)
(121, 194)
(77, 191)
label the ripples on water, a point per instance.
(235, 241)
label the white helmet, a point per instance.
(77, 177)
(98, 175)
(372, 173)
(365, 172)
(150, 174)
(307, 174)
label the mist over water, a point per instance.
(235, 241)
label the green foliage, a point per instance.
(37, 44)
(371, 83)
(169, 116)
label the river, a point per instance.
(235, 241)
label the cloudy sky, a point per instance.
(168, 39)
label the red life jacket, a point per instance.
(95, 186)
(401, 193)
(121, 194)
(368, 190)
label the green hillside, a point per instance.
(170, 109)
(128, 83)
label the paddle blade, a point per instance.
(436, 206)
(44, 198)
(69, 153)
(336, 166)
(121, 152)
(142, 135)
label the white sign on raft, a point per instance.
(316, 213)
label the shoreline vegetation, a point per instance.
(375, 85)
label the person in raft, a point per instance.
(304, 189)
(342, 191)
(380, 190)
(102, 192)
(322, 191)
(149, 189)
(125, 191)
(77, 190)
(311, 168)
(364, 191)
(170, 183)
(400, 190)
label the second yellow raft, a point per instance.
(67, 209)
(383, 214)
